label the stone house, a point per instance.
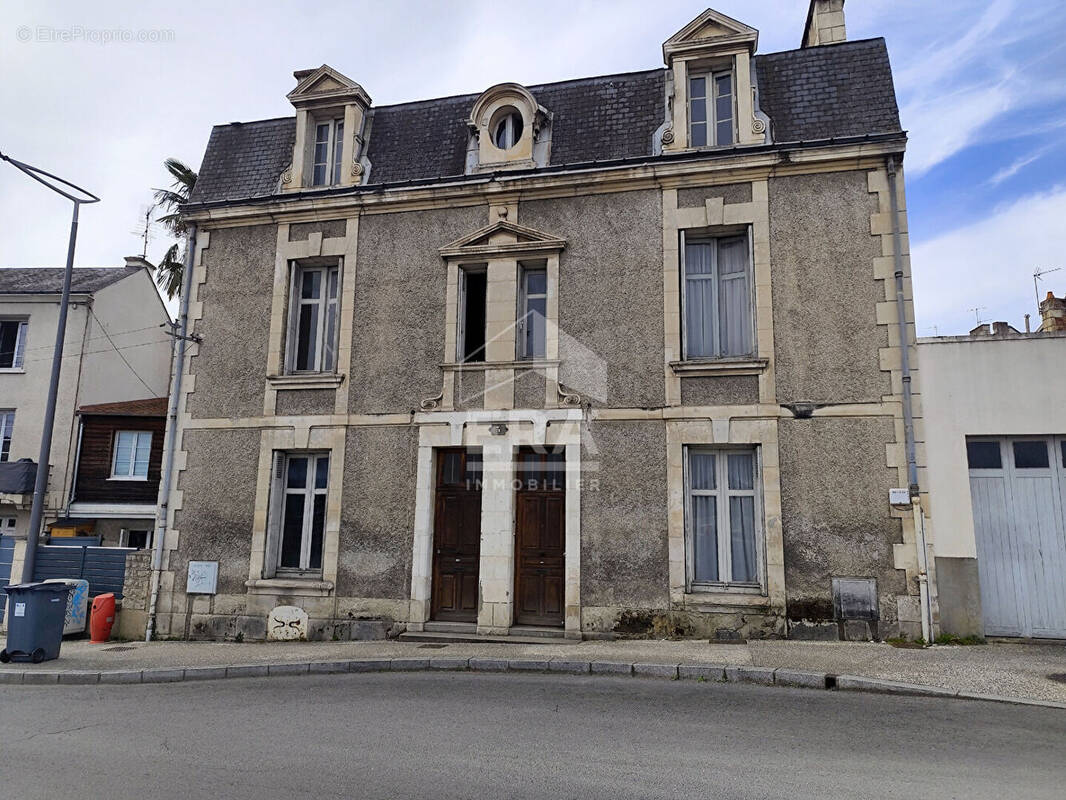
(619, 354)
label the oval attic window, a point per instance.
(508, 130)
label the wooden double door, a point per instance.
(456, 535)
(540, 506)
(540, 512)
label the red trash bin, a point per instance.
(103, 617)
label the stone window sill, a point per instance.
(307, 587)
(472, 366)
(720, 366)
(319, 380)
(723, 599)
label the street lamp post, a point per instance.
(40, 486)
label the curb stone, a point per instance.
(247, 671)
(856, 683)
(760, 675)
(572, 667)
(656, 670)
(611, 667)
(736, 674)
(449, 663)
(489, 664)
(121, 676)
(709, 672)
(526, 665)
(800, 679)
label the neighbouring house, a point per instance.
(116, 475)
(996, 442)
(116, 350)
(620, 354)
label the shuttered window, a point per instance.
(717, 297)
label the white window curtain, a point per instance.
(717, 298)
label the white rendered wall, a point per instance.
(982, 387)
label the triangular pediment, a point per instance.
(502, 237)
(708, 30)
(325, 83)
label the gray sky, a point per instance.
(980, 86)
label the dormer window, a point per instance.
(331, 115)
(710, 89)
(329, 144)
(508, 130)
(711, 111)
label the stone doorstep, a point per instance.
(766, 676)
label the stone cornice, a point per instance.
(726, 167)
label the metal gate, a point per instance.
(1018, 488)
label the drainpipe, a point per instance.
(178, 351)
(908, 408)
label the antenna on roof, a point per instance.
(977, 312)
(144, 229)
(1036, 276)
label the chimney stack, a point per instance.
(825, 23)
(139, 261)
(1053, 313)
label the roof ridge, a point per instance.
(409, 103)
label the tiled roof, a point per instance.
(828, 92)
(833, 91)
(151, 407)
(49, 280)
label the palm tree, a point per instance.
(169, 272)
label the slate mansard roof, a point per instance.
(831, 92)
(49, 280)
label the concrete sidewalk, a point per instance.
(1018, 671)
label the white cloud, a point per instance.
(943, 125)
(990, 264)
(1017, 166)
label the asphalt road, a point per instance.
(461, 735)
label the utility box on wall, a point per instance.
(855, 608)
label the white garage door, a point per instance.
(1018, 486)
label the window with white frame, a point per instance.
(12, 343)
(532, 312)
(329, 144)
(137, 538)
(7, 526)
(301, 483)
(130, 459)
(7, 427)
(710, 109)
(312, 340)
(473, 295)
(722, 517)
(717, 297)
(508, 130)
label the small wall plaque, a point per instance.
(203, 577)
